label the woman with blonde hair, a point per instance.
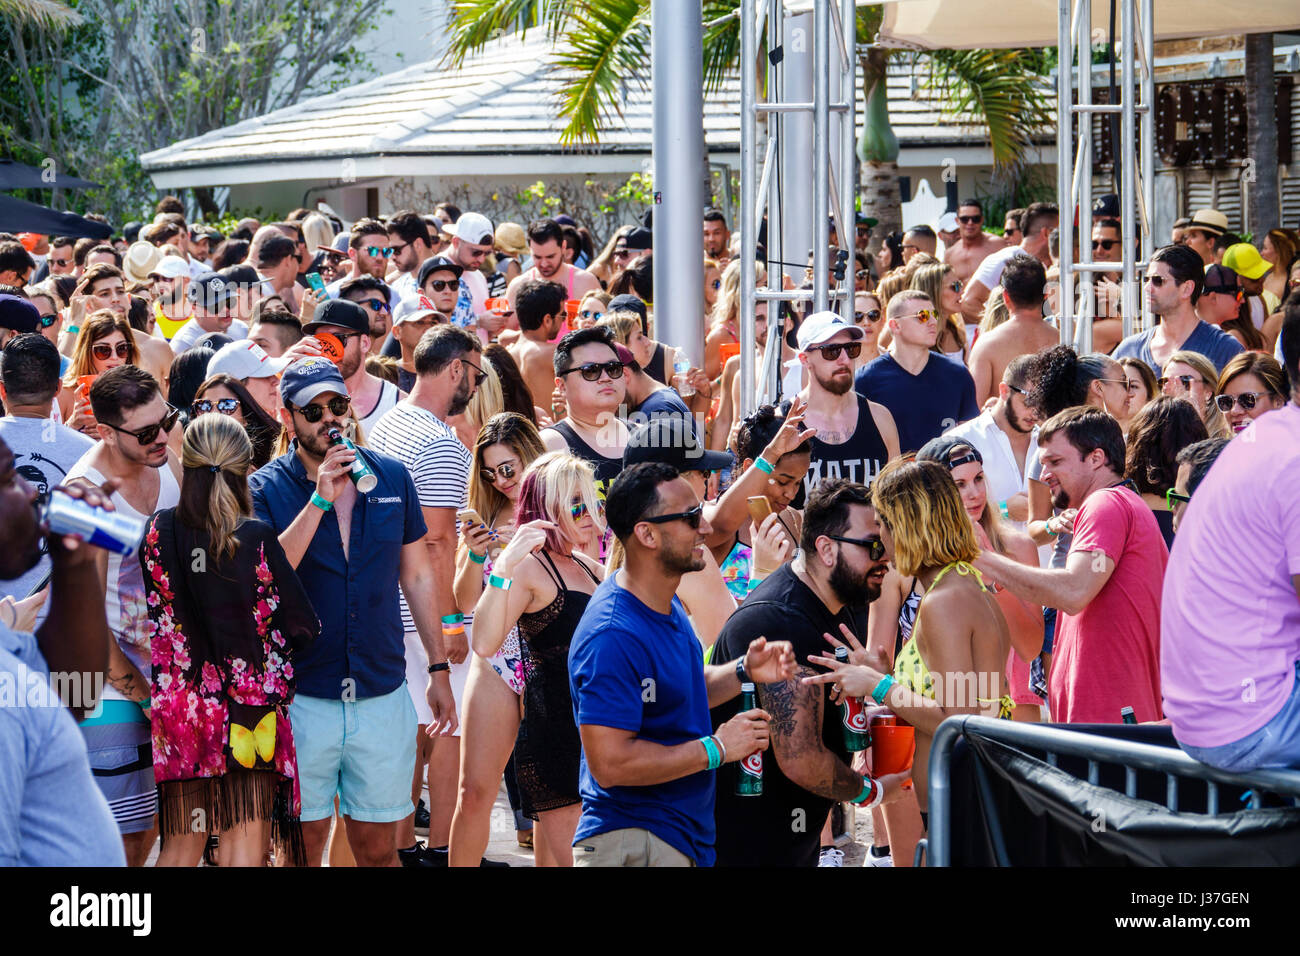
(606, 265)
(542, 582)
(227, 627)
(940, 283)
(959, 632)
(105, 341)
(506, 446)
(591, 309)
(725, 315)
(317, 231)
(1192, 376)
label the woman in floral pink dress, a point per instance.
(229, 615)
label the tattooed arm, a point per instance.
(795, 730)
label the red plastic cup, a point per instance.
(727, 350)
(497, 305)
(892, 749)
(571, 307)
(83, 385)
(330, 346)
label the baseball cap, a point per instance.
(244, 359)
(211, 289)
(30, 240)
(1221, 279)
(308, 377)
(947, 222)
(413, 307)
(475, 228)
(862, 219)
(437, 264)
(639, 239)
(1245, 260)
(940, 450)
(669, 439)
(171, 267)
(18, 314)
(340, 312)
(566, 220)
(820, 326)
(630, 302)
(1105, 206)
(1209, 220)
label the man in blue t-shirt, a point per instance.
(641, 691)
(925, 391)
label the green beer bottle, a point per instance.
(853, 715)
(361, 475)
(749, 781)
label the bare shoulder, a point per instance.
(594, 566)
(553, 440)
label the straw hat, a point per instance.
(140, 261)
(511, 239)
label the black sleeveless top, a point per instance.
(548, 748)
(655, 368)
(859, 459)
(606, 469)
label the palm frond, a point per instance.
(45, 14)
(1001, 89)
(475, 23)
(721, 43)
(605, 44)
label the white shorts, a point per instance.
(417, 679)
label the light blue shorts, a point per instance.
(362, 750)
(1274, 746)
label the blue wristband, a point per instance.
(882, 689)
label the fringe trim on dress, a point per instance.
(238, 796)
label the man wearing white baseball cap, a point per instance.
(855, 437)
(248, 362)
(471, 243)
(413, 316)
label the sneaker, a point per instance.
(831, 856)
(417, 856)
(436, 855)
(872, 860)
(486, 862)
(421, 819)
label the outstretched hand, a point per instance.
(769, 663)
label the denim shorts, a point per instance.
(1274, 746)
(361, 750)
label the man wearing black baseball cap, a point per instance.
(350, 325)
(214, 298)
(439, 282)
(17, 315)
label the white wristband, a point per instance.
(877, 796)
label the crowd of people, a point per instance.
(427, 508)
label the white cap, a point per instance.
(947, 222)
(821, 326)
(170, 267)
(474, 228)
(413, 307)
(244, 359)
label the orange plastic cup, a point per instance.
(571, 307)
(497, 305)
(330, 346)
(727, 350)
(83, 385)
(892, 749)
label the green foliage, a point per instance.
(638, 191)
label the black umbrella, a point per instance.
(19, 216)
(21, 176)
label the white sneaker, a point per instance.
(886, 860)
(831, 856)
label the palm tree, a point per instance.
(45, 14)
(604, 43)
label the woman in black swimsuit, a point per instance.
(542, 581)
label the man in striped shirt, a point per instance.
(448, 368)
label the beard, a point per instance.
(1060, 500)
(460, 401)
(836, 384)
(681, 562)
(852, 589)
(1014, 420)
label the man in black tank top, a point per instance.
(591, 378)
(855, 437)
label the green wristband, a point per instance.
(456, 618)
(478, 558)
(867, 789)
(320, 502)
(882, 689)
(714, 755)
(501, 583)
(763, 465)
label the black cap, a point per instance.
(630, 302)
(18, 314)
(639, 239)
(669, 439)
(940, 450)
(211, 289)
(1221, 279)
(1105, 206)
(340, 312)
(437, 264)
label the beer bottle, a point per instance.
(749, 781)
(853, 715)
(360, 473)
(1126, 715)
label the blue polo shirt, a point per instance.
(635, 669)
(355, 597)
(1209, 340)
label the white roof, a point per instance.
(498, 111)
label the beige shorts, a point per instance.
(628, 847)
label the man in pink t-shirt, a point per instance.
(1107, 652)
(1231, 620)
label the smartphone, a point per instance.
(759, 508)
(317, 284)
(469, 514)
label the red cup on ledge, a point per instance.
(892, 749)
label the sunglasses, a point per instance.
(504, 470)
(955, 285)
(717, 284)
(148, 434)
(578, 510)
(1172, 496)
(394, 250)
(592, 371)
(1247, 400)
(1104, 244)
(48, 320)
(226, 406)
(480, 376)
(622, 253)
(832, 352)
(925, 315)
(103, 351)
(871, 315)
(440, 285)
(338, 406)
(1156, 280)
(587, 315)
(875, 547)
(862, 274)
(970, 220)
(375, 305)
(1185, 380)
(379, 252)
(691, 517)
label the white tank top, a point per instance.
(389, 395)
(125, 595)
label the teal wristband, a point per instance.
(882, 689)
(714, 755)
(1002, 507)
(867, 788)
(752, 583)
(478, 558)
(456, 618)
(763, 465)
(502, 583)
(320, 502)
